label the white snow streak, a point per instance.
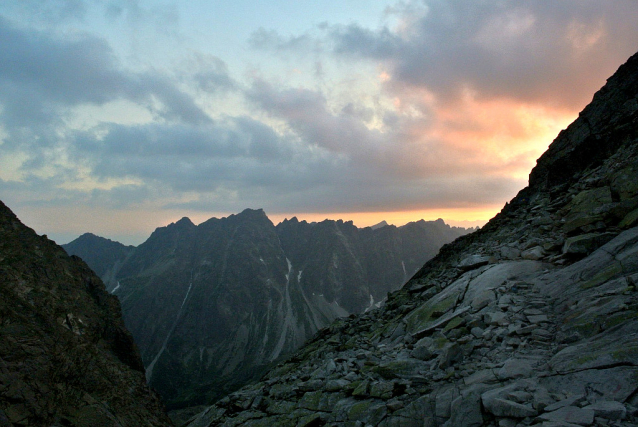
(149, 370)
(116, 288)
(288, 316)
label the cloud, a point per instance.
(210, 73)
(556, 52)
(446, 106)
(41, 74)
(263, 39)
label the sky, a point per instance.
(119, 116)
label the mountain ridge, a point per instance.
(221, 300)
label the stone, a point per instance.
(495, 318)
(336, 385)
(629, 220)
(624, 182)
(312, 420)
(477, 332)
(514, 368)
(473, 261)
(485, 376)
(482, 299)
(508, 252)
(452, 354)
(421, 353)
(580, 222)
(585, 244)
(570, 414)
(382, 390)
(588, 200)
(466, 411)
(534, 253)
(540, 318)
(443, 402)
(609, 409)
(507, 408)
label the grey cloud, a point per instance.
(50, 12)
(40, 73)
(272, 40)
(379, 44)
(209, 73)
(530, 51)
(307, 114)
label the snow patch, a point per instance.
(116, 288)
(287, 324)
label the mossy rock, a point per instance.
(603, 275)
(430, 311)
(454, 323)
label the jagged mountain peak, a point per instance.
(184, 222)
(381, 224)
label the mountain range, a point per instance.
(211, 306)
(530, 321)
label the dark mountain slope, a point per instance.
(65, 355)
(532, 320)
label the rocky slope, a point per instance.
(66, 358)
(532, 320)
(211, 306)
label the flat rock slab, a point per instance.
(473, 261)
(540, 318)
(611, 384)
(570, 414)
(609, 409)
(508, 408)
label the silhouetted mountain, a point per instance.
(532, 320)
(66, 358)
(210, 306)
(104, 256)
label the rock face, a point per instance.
(532, 320)
(66, 358)
(211, 306)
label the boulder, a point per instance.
(585, 244)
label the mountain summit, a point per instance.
(532, 320)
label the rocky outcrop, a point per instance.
(66, 358)
(211, 306)
(532, 320)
